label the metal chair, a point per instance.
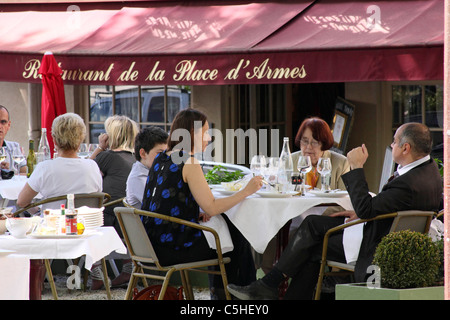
(93, 200)
(413, 220)
(145, 259)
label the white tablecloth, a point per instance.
(259, 219)
(95, 246)
(10, 189)
(14, 276)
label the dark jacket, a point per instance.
(418, 189)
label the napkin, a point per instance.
(352, 241)
(220, 226)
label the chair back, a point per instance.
(92, 200)
(135, 236)
(413, 220)
(388, 168)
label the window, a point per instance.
(424, 104)
(263, 107)
(147, 105)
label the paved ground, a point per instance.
(116, 293)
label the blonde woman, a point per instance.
(115, 158)
(67, 173)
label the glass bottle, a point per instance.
(31, 158)
(71, 216)
(44, 147)
(286, 166)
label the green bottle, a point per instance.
(31, 159)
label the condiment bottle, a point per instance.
(71, 216)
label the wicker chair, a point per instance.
(145, 259)
(413, 220)
(93, 200)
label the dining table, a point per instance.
(262, 215)
(13, 284)
(10, 189)
(94, 245)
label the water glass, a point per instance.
(304, 166)
(324, 168)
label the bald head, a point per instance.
(418, 136)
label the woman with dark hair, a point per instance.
(314, 138)
(177, 187)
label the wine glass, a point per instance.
(324, 168)
(83, 151)
(92, 147)
(257, 164)
(3, 154)
(304, 166)
(18, 156)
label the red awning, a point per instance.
(228, 42)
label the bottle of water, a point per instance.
(44, 148)
(286, 166)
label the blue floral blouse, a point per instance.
(166, 193)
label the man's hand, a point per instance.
(351, 215)
(357, 157)
(4, 165)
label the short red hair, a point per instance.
(320, 131)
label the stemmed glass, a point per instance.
(83, 151)
(324, 168)
(304, 166)
(3, 154)
(258, 164)
(92, 147)
(18, 156)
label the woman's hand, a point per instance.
(253, 185)
(103, 141)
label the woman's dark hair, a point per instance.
(185, 120)
(147, 138)
(320, 132)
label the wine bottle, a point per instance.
(44, 147)
(31, 158)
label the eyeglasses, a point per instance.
(313, 143)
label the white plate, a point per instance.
(226, 192)
(332, 194)
(266, 194)
(4, 252)
(215, 186)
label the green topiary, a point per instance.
(407, 259)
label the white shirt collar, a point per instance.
(402, 170)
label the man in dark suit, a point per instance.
(417, 186)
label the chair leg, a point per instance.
(186, 285)
(320, 281)
(50, 278)
(223, 273)
(165, 284)
(132, 283)
(105, 279)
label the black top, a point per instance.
(166, 193)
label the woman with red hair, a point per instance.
(314, 138)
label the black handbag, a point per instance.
(7, 174)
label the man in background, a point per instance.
(5, 125)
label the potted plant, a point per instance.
(409, 268)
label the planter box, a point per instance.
(360, 291)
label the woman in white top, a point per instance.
(67, 173)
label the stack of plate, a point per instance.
(93, 217)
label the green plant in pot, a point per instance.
(407, 259)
